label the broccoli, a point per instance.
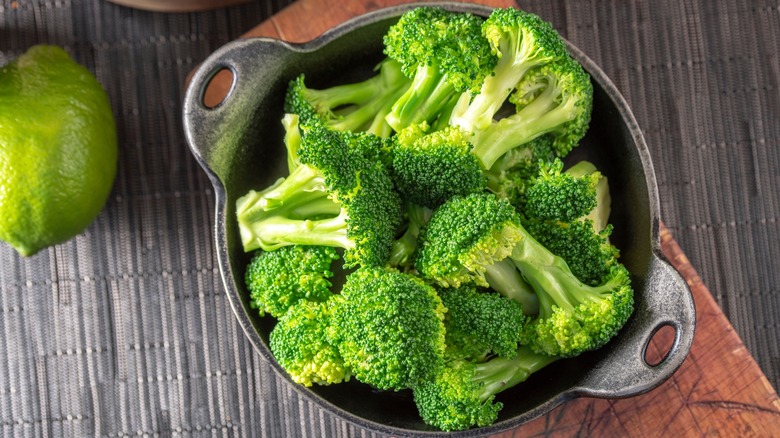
(463, 393)
(469, 235)
(356, 107)
(510, 175)
(389, 328)
(480, 323)
(557, 195)
(521, 41)
(430, 167)
(554, 99)
(340, 196)
(572, 233)
(278, 279)
(404, 248)
(599, 216)
(465, 238)
(444, 53)
(300, 341)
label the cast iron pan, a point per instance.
(239, 144)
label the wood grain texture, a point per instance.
(718, 391)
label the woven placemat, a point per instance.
(125, 330)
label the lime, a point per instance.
(58, 149)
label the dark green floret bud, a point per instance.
(390, 328)
(279, 279)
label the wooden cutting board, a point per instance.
(718, 391)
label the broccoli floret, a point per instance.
(510, 175)
(278, 279)
(300, 341)
(430, 167)
(465, 238)
(463, 394)
(389, 328)
(599, 216)
(404, 248)
(588, 253)
(444, 53)
(356, 107)
(521, 41)
(570, 232)
(467, 235)
(480, 323)
(554, 99)
(558, 195)
(338, 196)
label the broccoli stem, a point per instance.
(292, 140)
(501, 373)
(404, 247)
(554, 282)
(428, 93)
(476, 114)
(504, 278)
(520, 128)
(277, 231)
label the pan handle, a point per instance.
(214, 130)
(667, 302)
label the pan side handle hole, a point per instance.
(660, 344)
(218, 88)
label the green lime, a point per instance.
(58, 149)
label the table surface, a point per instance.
(125, 329)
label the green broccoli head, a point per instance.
(480, 322)
(444, 53)
(279, 279)
(465, 236)
(511, 175)
(478, 236)
(521, 41)
(430, 167)
(390, 328)
(573, 317)
(588, 253)
(340, 195)
(301, 343)
(453, 400)
(556, 195)
(463, 393)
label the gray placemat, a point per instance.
(126, 331)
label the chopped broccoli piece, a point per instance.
(301, 342)
(444, 53)
(480, 323)
(521, 41)
(356, 107)
(430, 167)
(463, 394)
(599, 216)
(510, 175)
(278, 279)
(557, 100)
(557, 195)
(338, 196)
(389, 328)
(569, 231)
(467, 235)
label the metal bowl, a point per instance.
(239, 144)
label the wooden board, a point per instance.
(718, 391)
